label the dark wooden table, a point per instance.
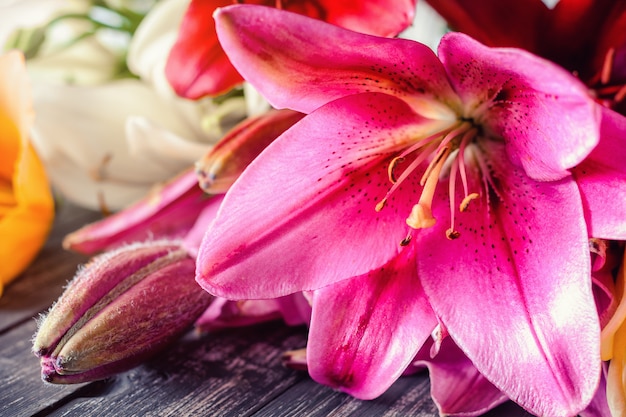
(231, 373)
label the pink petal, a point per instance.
(295, 309)
(599, 406)
(224, 314)
(302, 215)
(602, 180)
(366, 330)
(514, 290)
(197, 65)
(529, 102)
(202, 222)
(167, 212)
(301, 63)
(456, 386)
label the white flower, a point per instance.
(107, 144)
(428, 26)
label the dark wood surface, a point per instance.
(235, 372)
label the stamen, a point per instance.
(381, 204)
(620, 95)
(607, 66)
(392, 166)
(443, 146)
(421, 215)
(452, 234)
(426, 146)
(406, 240)
(461, 157)
(451, 195)
(466, 201)
(420, 158)
(487, 180)
(435, 162)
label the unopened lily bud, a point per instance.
(221, 166)
(121, 308)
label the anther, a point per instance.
(392, 166)
(452, 234)
(620, 95)
(381, 205)
(405, 241)
(466, 201)
(607, 66)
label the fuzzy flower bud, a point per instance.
(122, 307)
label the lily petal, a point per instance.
(366, 330)
(599, 406)
(219, 168)
(149, 142)
(197, 64)
(150, 44)
(614, 348)
(267, 48)
(314, 187)
(169, 211)
(531, 103)
(86, 164)
(602, 180)
(456, 386)
(509, 307)
(26, 204)
(373, 17)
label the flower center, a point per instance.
(443, 149)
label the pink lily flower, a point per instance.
(358, 203)
(197, 65)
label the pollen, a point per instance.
(466, 201)
(452, 234)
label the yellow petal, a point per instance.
(615, 323)
(26, 204)
(616, 336)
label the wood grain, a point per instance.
(237, 372)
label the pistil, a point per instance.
(446, 146)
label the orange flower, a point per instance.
(614, 348)
(26, 205)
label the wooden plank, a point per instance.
(409, 396)
(23, 393)
(234, 372)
